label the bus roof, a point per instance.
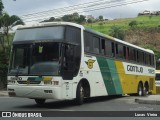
(46, 24)
(43, 24)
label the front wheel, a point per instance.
(79, 94)
(40, 101)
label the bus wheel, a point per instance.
(40, 101)
(80, 94)
(140, 89)
(146, 89)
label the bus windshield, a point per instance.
(36, 59)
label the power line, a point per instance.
(77, 5)
(103, 6)
(58, 13)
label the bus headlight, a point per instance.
(47, 82)
(11, 81)
(55, 82)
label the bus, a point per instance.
(66, 61)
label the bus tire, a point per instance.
(80, 94)
(140, 89)
(146, 89)
(40, 101)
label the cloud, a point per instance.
(23, 7)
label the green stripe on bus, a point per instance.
(115, 76)
(106, 74)
(110, 76)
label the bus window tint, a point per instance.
(132, 54)
(147, 59)
(96, 44)
(119, 51)
(140, 57)
(102, 46)
(73, 35)
(88, 42)
(108, 48)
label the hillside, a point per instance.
(146, 33)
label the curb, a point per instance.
(152, 102)
(2, 94)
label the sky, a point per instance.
(25, 7)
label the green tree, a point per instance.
(81, 19)
(51, 19)
(7, 22)
(1, 7)
(117, 32)
(100, 17)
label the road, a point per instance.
(124, 103)
(120, 103)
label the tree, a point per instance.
(82, 19)
(1, 7)
(7, 22)
(51, 19)
(100, 17)
(117, 32)
(89, 20)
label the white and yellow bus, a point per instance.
(67, 61)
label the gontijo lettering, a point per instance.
(134, 68)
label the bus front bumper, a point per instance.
(44, 92)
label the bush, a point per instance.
(133, 24)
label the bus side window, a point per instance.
(96, 45)
(88, 42)
(113, 49)
(127, 53)
(108, 47)
(119, 51)
(102, 46)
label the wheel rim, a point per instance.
(146, 90)
(81, 93)
(140, 91)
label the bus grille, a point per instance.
(29, 82)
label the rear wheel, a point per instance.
(79, 94)
(40, 101)
(146, 89)
(140, 89)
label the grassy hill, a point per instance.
(143, 22)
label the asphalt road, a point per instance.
(124, 103)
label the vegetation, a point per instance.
(6, 24)
(117, 32)
(75, 17)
